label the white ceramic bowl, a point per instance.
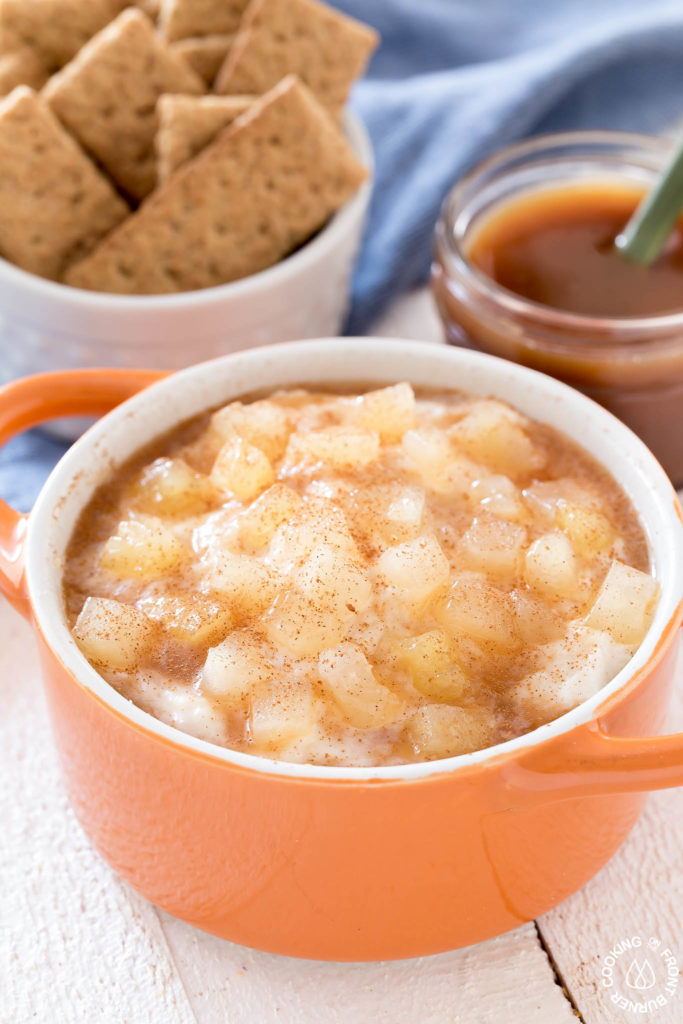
(48, 326)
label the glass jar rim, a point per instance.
(457, 260)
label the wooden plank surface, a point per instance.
(76, 944)
(638, 893)
(479, 985)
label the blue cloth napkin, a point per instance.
(452, 81)
(456, 79)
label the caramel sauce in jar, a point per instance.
(556, 247)
(525, 268)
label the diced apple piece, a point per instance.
(386, 513)
(114, 636)
(625, 604)
(500, 497)
(426, 654)
(439, 730)
(462, 475)
(262, 424)
(446, 687)
(249, 585)
(537, 622)
(368, 630)
(574, 669)
(282, 712)
(259, 522)
(340, 447)
(479, 611)
(544, 497)
(236, 667)
(348, 676)
(433, 668)
(331, 582)
(389, 411)
(494, 546)
(589, 531)
(190, 618)
(317, 521)
(550, 566)
(170, 487)
(491, 433)
(191, 712)
(327, 488)
(305, 629)
(142, 549)
(427, 451)
(406, 510)
(417, 569)
(241, 469)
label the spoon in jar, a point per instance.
(646, 233)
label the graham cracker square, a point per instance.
(258, 191)
(204, 54)
(189, 123)
(180, 19)
(54, 29)
(21, 67)
(107, 95)
(326, 49)
(55, 206)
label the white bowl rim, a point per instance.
(656, 502)
(326, 240)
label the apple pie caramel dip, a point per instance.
(370, 579)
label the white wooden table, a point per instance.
(78, 945)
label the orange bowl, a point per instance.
(340, 863)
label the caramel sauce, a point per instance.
(556, 247)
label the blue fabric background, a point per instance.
(452, 81)
(456, 79)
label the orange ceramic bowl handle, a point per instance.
(599, 763)
(27, 402)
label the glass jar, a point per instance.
(632, 366)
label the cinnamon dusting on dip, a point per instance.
(347, 579)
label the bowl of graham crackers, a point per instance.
(177, 181)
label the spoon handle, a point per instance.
(646, 233)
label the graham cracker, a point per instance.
(189, 123)
(204, 54)
(326, 49)
(55, 206)
(261, 189)
(180, 19)
(54, 29)
(150, 7)
(106, 97)
(21, 67)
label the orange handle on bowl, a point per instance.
(26, 403)
(601, 764)
(594, 762)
